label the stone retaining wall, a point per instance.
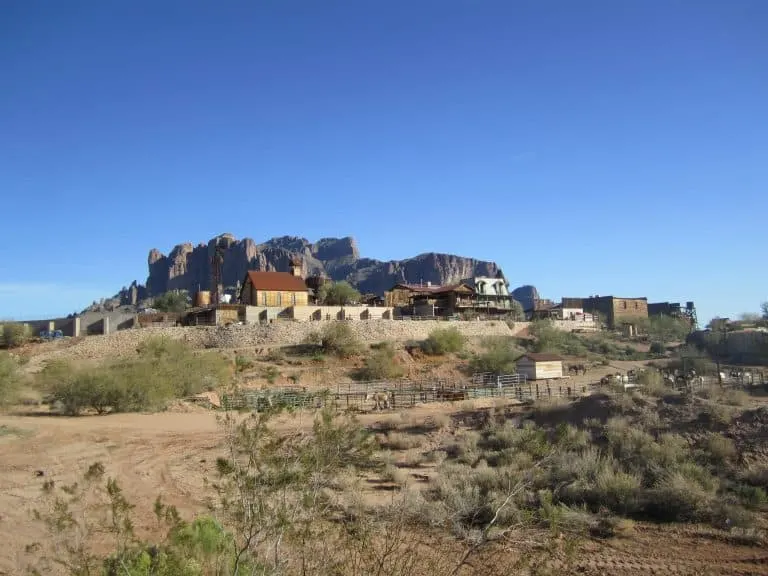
(278, 333)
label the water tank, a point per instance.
(203, 298)
(689, 305)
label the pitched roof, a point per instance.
(542, 357)
(424, 289)
(283, 281)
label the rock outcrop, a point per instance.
(188, 267)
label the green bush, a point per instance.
(499, 357)
(9, 379)
(338, 339)
(170, 301)
(550, 339)
(165, 369)
(657, 349)
(380, 364)
(14, 334)
(664, 328)
(444, 341)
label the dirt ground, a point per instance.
(172, 454)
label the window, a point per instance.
(293, 299)
(263, 298)
(279, 298)
(637, 305)
(624, 305)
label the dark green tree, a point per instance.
(171, 302)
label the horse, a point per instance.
(381, 400)
(451, 395)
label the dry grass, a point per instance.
(400, 441)
(393, 474)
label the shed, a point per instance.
(537, 366)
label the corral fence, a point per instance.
(354, 396)
(744, 381)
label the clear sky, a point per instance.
(591, 147)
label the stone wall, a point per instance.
(279, 333)
(573, 325)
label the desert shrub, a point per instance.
(750, 496)
(338, 339)
(400, 441)
(718, 450)
(677, 498)
(717, 414)
(735, 397)
(9, 379)
(567, 467)
(662, 328)
(657, 349)
(165, 369)
(652, 383)
(270, 374)
(498, 357)
(443, 341)
(276, 356)
(243, 363)
(616, 490)
(471, 498)
(380, 365)
(755, 475)
(391, 473)
(568, 437)
(14, 334)
(465, 448)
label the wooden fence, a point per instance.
(401, 393)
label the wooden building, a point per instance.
(617, 312)
(428, 300)
(274, 289)
(219, 315)
(539, 366)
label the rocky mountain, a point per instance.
(188, 267)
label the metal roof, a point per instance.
(542, 357)
(276, 281)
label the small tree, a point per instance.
(171, 301)
(337, 294)
(665, 329)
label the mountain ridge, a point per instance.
(188, 266)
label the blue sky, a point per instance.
(587, 147)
